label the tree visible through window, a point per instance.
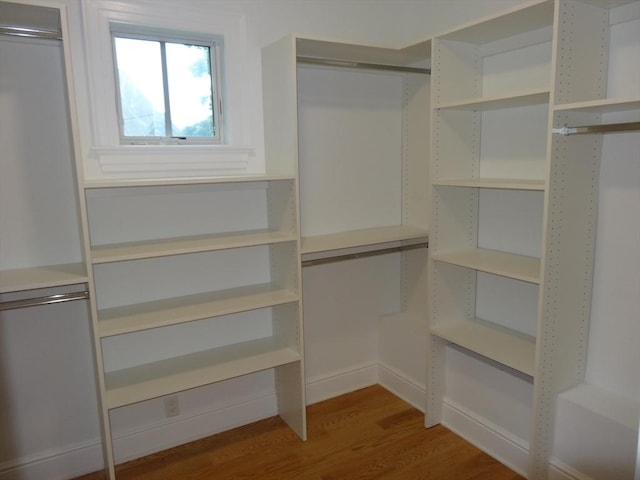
(166, 90)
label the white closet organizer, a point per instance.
(39, 223)
(514, 205)
(354, 119)
(214, 259)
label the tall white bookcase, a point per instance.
(212, 258)
(514, 204)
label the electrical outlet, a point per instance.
(171, 406)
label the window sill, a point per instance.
(205, 159)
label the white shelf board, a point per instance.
(154, 182)
(21, 279)
(522, 18)
(308, 47)
(173, 375)
(520, 99)
(509, 348)
(172, 311)
(607, 105)
(178, 246)
(498, 183)
(518, 267)
(360, 238)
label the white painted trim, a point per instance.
(55, 464)
(178, 159)
(340, 382)
(488, 437)
(402, 387)
(561, 471)
(75, 460)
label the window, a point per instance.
(168, 90)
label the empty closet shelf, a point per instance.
(21, 279)
(495, 183)
(178, 246)
(135, 384)
(510, 348)
(521, 99)
(172, 311)
(360, 238)
(518, 267)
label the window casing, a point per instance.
(169, 88)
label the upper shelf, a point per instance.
(179, 246)
(523, 18)
(360, 238)
(21, 279)
(413, 55)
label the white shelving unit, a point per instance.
(39, 225)
(215, 258)
(499, 87)
(355, 119)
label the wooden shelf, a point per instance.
(178, 246)
(21, 279)
(159, 182)
(497, 183)
(507, 24)
(360, 238)
(172, 311)
(521, 99)
(607, 105)
(173, 375)
(502, 345)
(518, 267)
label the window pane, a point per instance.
(139, 65)
(190, 95)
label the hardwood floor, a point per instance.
(367, 434)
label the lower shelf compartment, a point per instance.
(510, 348)
(143, 382)
(20, 279)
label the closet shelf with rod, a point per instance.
(44, 300)
(602, 128)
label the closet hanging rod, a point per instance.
(47, 300)
(361, 65)
(370, 253)
(604, 128)
(30, 32)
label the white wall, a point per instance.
(75, 448)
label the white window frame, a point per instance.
(107, 156)
(215, 45)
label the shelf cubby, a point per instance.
(486, 58)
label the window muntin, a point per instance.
(168, 90)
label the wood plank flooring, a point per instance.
(367, 434)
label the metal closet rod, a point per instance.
(30, 32)
(46, 300)
(370, 253)
(361, 65)
(603, 128)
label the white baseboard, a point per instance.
(561, 471)
(77, 460)
(401, 386)
(338, 383)
(490, 438)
